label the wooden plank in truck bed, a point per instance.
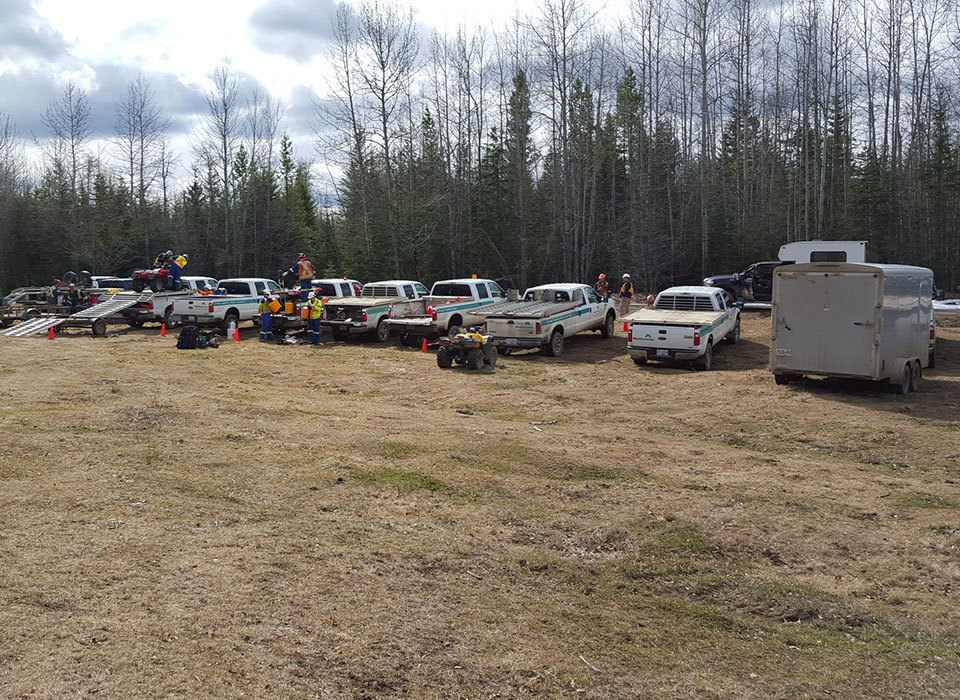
(674, 318)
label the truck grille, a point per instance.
(684, 303)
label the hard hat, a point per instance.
(72, 285)
(303, 255)
(185, 256)
(57, 282)
(626, 276)
(169, 252)
(603, 276)
(312, 295)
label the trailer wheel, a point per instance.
(782, 379)
(490, 355)
(555, 346)
(705, 361)
(383, 331)
(916, 376)
(906, 379)
(230, 322)
(444, 358)
(474, 358)
(99, 328)
(607, 330)
(734, 335)
(30, 314)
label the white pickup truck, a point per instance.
(369, 312)
(159, 307)
(683, 326)
(450, 305)
(547, 315)
(290, 318)
(236, 300)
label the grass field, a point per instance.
(350, 520)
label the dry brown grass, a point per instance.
(297, 521)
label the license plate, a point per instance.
(343, 328)
(663, 353)
(509, 341)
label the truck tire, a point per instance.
(453, 330)
(639, 360)
(139, 284)
(407, 340)
(474, 358)
(383, 331)
(932, 358)
(156, 285)
(444, 358)
(230, 321)
(607, 330)
(705, 361)
(490, 355)
(734, 335)
(916, 376)
(455, 322)
(555, 346)
(169, 319)
(99, 328)
(135, 322)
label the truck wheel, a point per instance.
(555, 346)
(474, 358)
(932, 358)
(490, 355)
(444, 358)
(916, 376)
(99, 328)
(139, 285)
(454, 325)
(639, 360)
(607, 330)
(407, 340)
(705, 361)
(383, 331)
(906, 379)
(230, 322)
(734, 335)
(453, 330)
(156, 284)
(340, 334)
(169, 319)
(135, 322)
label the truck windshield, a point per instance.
(445, 289)
(229, 287)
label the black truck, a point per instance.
(753, 284)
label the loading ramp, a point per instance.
(94, 317)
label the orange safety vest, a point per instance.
(305, 270)
(627, 287)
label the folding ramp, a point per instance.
(110, 306)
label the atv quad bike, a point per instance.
(467, 347)
(155, 278)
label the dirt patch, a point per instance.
(349, 520)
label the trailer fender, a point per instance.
(901, 374)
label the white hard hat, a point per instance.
(312, 295)
(626, 276)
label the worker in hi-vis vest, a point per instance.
(315, 313)
(266, 319)
(176, 270)
(626, 293)
(304, 270)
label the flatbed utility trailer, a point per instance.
(94, 317)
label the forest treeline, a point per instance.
(689, 138)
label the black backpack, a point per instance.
(189, 338)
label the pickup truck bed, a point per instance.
(529, 309)
(674, 318)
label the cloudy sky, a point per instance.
(102, 44)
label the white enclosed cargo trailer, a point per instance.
(857, 320)
(823, 251)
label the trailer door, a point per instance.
(827, 323)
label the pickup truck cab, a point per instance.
(369, 312)
(753, 284)
(684, 325)
(236, 300)
(450, 305)
(547, 315)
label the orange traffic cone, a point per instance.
(624, 326)
(163, 330)
(50, 334)
(423, 348)
(236, 334)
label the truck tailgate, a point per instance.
(662, 336)
(199, 307)
(512, 327)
